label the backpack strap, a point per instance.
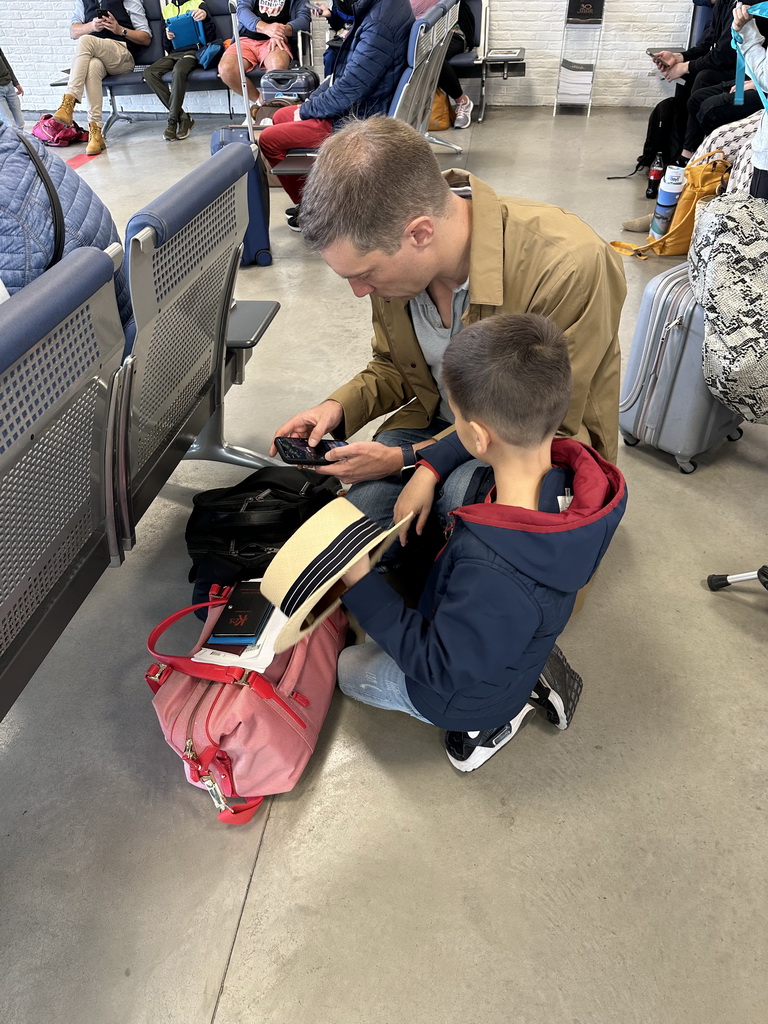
(53, 197)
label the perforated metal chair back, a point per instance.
(428, 43)
(183, 252)
(61, 344)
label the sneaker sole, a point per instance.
(480, 755)
(564, 687)
(181, 138)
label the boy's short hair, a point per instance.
(513, 373)
(368, 182)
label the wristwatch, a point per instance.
(409, 459)
(125, 32)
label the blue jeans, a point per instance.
(10, 106)
(368, 674)
(377, 498)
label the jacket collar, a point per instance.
(486, 256)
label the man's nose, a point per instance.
(360, 288)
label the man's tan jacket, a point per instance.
(526, 257)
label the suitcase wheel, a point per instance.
(630, 440)
(264, 258)
(687, 466)
(736, 435)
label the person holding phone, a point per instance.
(710, 62)
(108, 34)
(180, 62)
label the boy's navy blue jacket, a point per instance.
(369, 63)
(500, 592)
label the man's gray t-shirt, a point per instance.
(433, 337)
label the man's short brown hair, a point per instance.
(369, 181)
(511, 372)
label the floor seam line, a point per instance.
(240, 915)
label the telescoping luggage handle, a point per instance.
(231, 674)
(756, 10)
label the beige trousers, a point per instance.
(95, 59)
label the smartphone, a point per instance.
(102, 13)
(654, 54)
(297, 452)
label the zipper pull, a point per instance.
(189, 752)
(300, 699)
(214, 791)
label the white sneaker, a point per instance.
(464, 110)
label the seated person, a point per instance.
(709, 62)
(105, 46)
(366, 73)
(26, 222)
(340, 24)
(462, 40)
(714, 106)
(435, 252)
(469, 658)
(180, 62)
(269, 30)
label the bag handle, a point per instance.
(761, 10)
(628, 249)
(211, 672)
(53, 197)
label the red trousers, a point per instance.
(285, 134)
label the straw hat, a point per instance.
(303, 580)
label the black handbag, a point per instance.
(234, 533)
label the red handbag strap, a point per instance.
(215, 673)
(211, 672)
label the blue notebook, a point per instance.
(186, 31)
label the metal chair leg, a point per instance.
(210, 446)
(442, 142)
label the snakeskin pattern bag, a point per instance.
(728, 268)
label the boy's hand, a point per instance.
(199, 14)
(19, 91)
(356, 572)
(416, 497)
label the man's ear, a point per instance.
(482, 437)
(420, 232)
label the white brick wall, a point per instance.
(39, 47)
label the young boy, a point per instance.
(470, 657)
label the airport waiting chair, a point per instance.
(61, 346)
(412, 101)
(183, 255)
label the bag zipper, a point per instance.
(191, 757)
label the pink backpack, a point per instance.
(53, 133)
(243, 735)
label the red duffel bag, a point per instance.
(244, 735)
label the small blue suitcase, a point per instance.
(256, 241)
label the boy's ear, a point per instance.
(482, 437)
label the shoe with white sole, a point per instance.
(463, 110)
(469, 750)
(292, 211)
(558, 689)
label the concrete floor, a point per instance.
(612, 874)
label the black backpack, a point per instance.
(666, 126)
(235, 532)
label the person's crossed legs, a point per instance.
(286, 133)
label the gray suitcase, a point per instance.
(664, 400)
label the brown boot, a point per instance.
(65, 113)
(96, 143)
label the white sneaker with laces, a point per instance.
(464, 110)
